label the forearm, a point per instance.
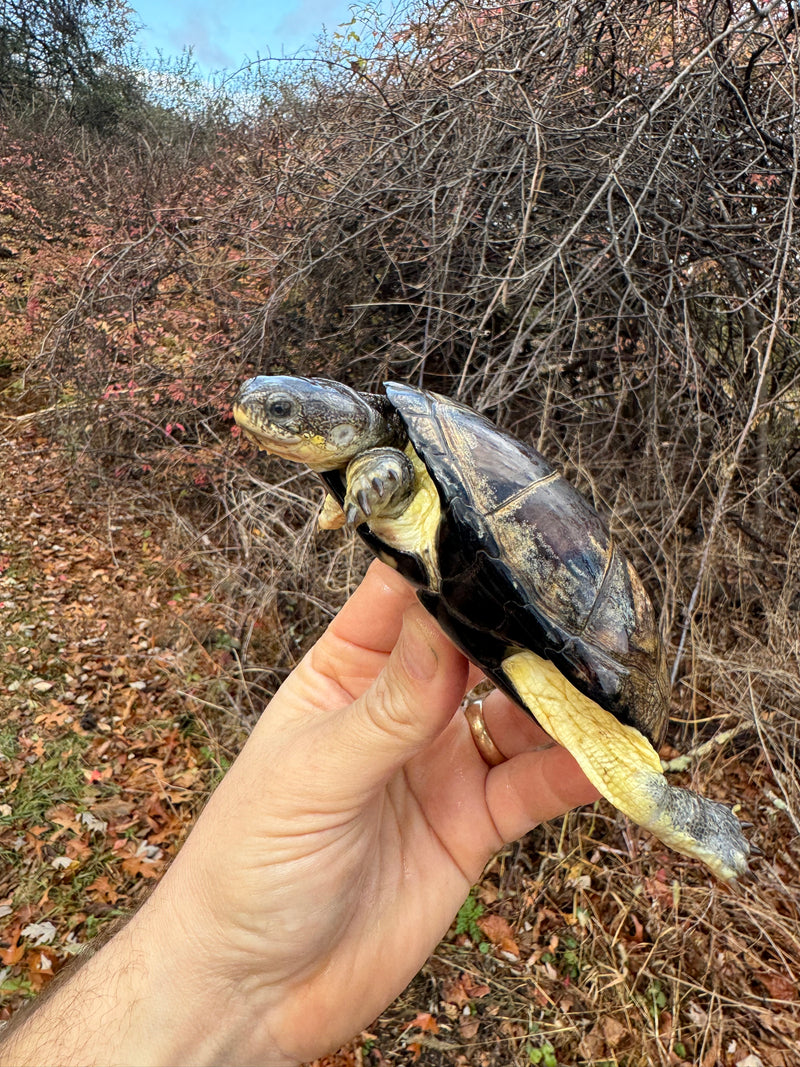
(146, 997)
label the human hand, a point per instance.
(336, 851)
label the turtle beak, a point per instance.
(245, 409)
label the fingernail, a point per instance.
(417, 656)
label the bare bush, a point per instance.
(584, 224)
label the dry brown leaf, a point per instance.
(425, 1022)
(454, 992)
(474, 987)
(775, 1057)
(778, 986)
(134, 865)
(593, 1045)
(42, 964)
(712, 1055)
(16, 946)
(104, 889)
(659, 891)
(64, 815)
(638, 935)
(77, 849)
(613, 1031)
(783, 1022)
(113, 808)
(468, 1026)
(499, 932)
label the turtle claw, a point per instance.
(362, 496)
(379, 485)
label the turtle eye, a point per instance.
(281, 407)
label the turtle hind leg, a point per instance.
(697, 827)
(622, 764)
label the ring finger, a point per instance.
(511, 729)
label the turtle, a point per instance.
(517, 567)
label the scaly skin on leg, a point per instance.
(620, 762)
(331, 517)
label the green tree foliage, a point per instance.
(69, 52)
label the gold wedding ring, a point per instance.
(489, 751)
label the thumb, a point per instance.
(408, 704)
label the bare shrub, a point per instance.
(583, 224)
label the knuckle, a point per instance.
(390, 706)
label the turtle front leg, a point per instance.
(380, 485)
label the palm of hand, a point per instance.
(357, 817)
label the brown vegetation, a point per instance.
(583, 225)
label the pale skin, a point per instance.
(326, 866)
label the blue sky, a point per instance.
(223, 33)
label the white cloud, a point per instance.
(203, 27)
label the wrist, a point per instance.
(183, 1006)
(149, 996)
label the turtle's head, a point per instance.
(321, 423)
